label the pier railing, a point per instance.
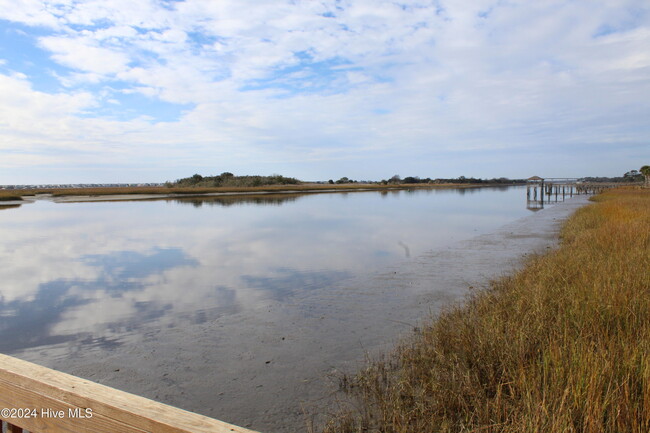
(565, 187)
(40, 400)
(540, 191)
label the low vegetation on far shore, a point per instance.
(228, 179)
(561, 346)
(16, 194)
(10, 197)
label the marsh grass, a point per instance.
(10, 197)
(561, 346)
(163, 190)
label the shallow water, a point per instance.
(230, 307)
(91, 272)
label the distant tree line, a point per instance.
(398, 180)
(630, 176)
(493, 181)
(229, 179)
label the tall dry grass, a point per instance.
(561, 346)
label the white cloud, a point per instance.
(30, 12)
(22, 108)
(83, 54)
(338, 79)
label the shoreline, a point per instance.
(220, 369)
(557, 345)
(78, 195)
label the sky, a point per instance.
(156, 90)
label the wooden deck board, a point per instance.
(25, 385)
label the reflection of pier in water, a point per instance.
(541, 191)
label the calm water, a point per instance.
(245, 310)
(90, 274)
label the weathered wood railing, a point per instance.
(42, 400)
(567, 187)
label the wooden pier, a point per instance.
(544, 190)
(42, 400)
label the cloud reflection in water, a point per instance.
(93, 273)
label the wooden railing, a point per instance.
(42, 400)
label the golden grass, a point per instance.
(10, 197)
(561, 346)
(200, 190)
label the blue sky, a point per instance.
(153, 90)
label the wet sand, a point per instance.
(275, 369)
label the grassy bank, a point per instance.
(561, 346)
(10, 197)
(211, 190)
